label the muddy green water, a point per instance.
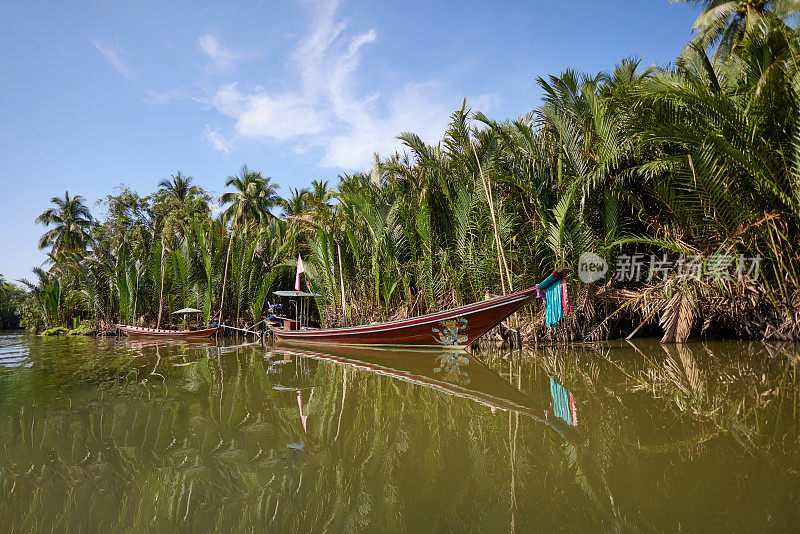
(100, 436)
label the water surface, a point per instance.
(98, 434)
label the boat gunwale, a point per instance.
(383, 346)
(136, 330)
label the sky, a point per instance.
(95, 94)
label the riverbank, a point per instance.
(643, 313)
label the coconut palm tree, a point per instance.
(725, 141)
(71, 221)
(179, 187)
(726, 21)
(251, 200)
(318, 200)
(248, 206)
(177, 202)
(297, 203)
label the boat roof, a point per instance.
(186, 311)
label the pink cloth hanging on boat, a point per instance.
(566, 307)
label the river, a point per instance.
(98, 434)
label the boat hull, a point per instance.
(170, 334)
(456, 328)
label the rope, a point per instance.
(255, 332)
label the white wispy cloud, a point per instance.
(269, 117)
(322, 104)
(325, 109)
(113, 54)
(216, 140)
(221, 56)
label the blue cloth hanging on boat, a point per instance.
(560, 396)
(554, 292)
(553, 311)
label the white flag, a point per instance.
(300, 269)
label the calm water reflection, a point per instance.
(97, 435)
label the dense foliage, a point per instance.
(12, 298)
(698, 160)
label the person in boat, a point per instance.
(275, 313)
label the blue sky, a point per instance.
(97, 94)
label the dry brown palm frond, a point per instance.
(643, 302)
(678, 315)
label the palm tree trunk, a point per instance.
(501, 255)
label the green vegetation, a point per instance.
(56, 331)
(11, 304)
(697, 160)
(80, 330)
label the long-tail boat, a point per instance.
(455, 329)
(172, 334)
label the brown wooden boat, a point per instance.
(455, 328)
(172, 334)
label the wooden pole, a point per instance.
(501, 257)
(136, 296)
(341, 282)
(225, 277)
(161, 294)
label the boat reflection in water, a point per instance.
(451, 373)
(564, 405)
